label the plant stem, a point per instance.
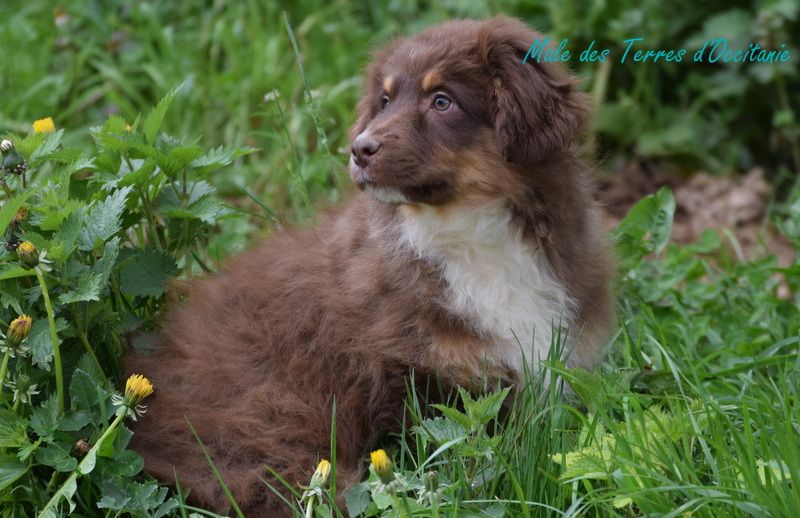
(6, 189)
(53, 338)
(91, 454)
(85, 341)
(3, 369)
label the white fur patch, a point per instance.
(497, 282)
(386, 194)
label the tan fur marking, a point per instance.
(433, 79)
(388, 85)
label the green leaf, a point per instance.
(103, 220)
(48, 144)
(646, 228)
(145, 273)
(10, 469)
(208, 210)
(153, 121)
(14, 271)
(10, 208)
(45, 419)
(88, 288)
(57, 457)
(357, 499)
(13, 429)
(221, 156)
(485, 408)
(106, 263)
(85, 393)
(441, 430)
(40, 343)
(455, 415)
(65, 239)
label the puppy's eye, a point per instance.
(441, 102)
(384, 102)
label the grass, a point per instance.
(693, 412)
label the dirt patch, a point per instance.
(735, 206)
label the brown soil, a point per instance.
(735, 205)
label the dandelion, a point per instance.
(11, 344)
(322, 472)
(18, 330)
(431, 493)
(389, 483)
(28, 255)
(22, 388)
(314, 491)
(6, 145)
(136, 389)
(45, 125)
(382, 465)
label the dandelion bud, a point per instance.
(28, 255)
(431, 481)
(45, 125)
(5, 145)
(18, 330)
(382, 465)
(321, 474)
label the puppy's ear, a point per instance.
(534, 108)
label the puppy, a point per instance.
(473, 241)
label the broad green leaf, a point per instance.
(145, 273)
(85, 393)
(357, 499)
(103, 220)
(56, 456)
(10, 469)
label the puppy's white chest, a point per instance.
(497, 283)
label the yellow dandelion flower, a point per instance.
(323, 469)
(382, 465)
(45, 125)
(137, 388)
(28, 255)
(18, 330)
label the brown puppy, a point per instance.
(474, 237)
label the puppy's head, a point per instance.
(453, 113)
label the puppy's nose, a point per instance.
(363, 148)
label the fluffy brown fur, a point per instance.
(257, 354)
